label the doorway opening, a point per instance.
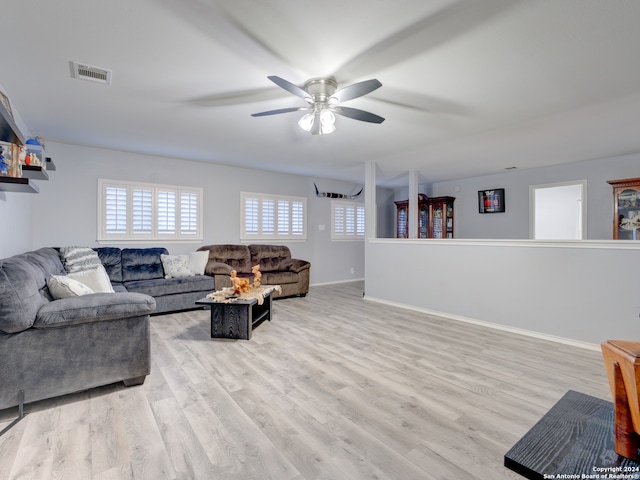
(559, 211)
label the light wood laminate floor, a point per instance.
(335, 387)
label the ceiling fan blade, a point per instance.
(290, 87)
(238, 97)
(356, 90)
(358, 114)
(434, 29)
(281, 110)
(226, 27)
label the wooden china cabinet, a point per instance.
(626, 209)
(435, 217)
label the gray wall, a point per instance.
(514, 223)
(64, 213)
(15, 223)
(581, 292)
(15, 212)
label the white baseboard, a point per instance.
(496, 326)
(336, 282)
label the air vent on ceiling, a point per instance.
(92, 74)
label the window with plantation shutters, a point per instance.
(347, 220)
(269, 217)
(133, 211)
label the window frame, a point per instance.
(256, 226)
(359, 224)
(132, 218)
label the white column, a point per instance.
(412, 213)
(370, 206)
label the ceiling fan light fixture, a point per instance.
(306, 122)
(323, 97)
(327, 121)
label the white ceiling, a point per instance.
(469, 87)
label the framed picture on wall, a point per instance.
(491, 201)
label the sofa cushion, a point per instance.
(142, 263)
(218, 268)
(171, 286)
(111, 259)
(236, 256)
(93, 308)
(269, 257)
(23, 287)
(119, 287)
(199, 262)
(61, 286)
(77, 259)
(279, 278)
(176, 266)
(295, 265)
(96, 279)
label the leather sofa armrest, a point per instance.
(295, 265)
(218, 268)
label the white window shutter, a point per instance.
(115, 215)
(268, 217)
(188, 213)
(166, 212)
(251, 216)
(142, 211)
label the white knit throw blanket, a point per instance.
(226, 294)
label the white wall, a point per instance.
(64, 213)
(582, 291)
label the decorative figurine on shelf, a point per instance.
(240, 285)
(256, 275)
(4, 165)
(22, 155)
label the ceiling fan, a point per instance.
(323, 98)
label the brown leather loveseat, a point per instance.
(276, 265)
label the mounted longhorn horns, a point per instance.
(336, 195)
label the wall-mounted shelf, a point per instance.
(9, 131)
(31, 171)
(12, 184)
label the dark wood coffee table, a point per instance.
(237, 318)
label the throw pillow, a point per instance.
(96, 279)
(199, 261)
(176, 266)
(61, 286)
(77, 259)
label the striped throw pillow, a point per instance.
(79, 259)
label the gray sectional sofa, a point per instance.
(140, 270)
(51, 347)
